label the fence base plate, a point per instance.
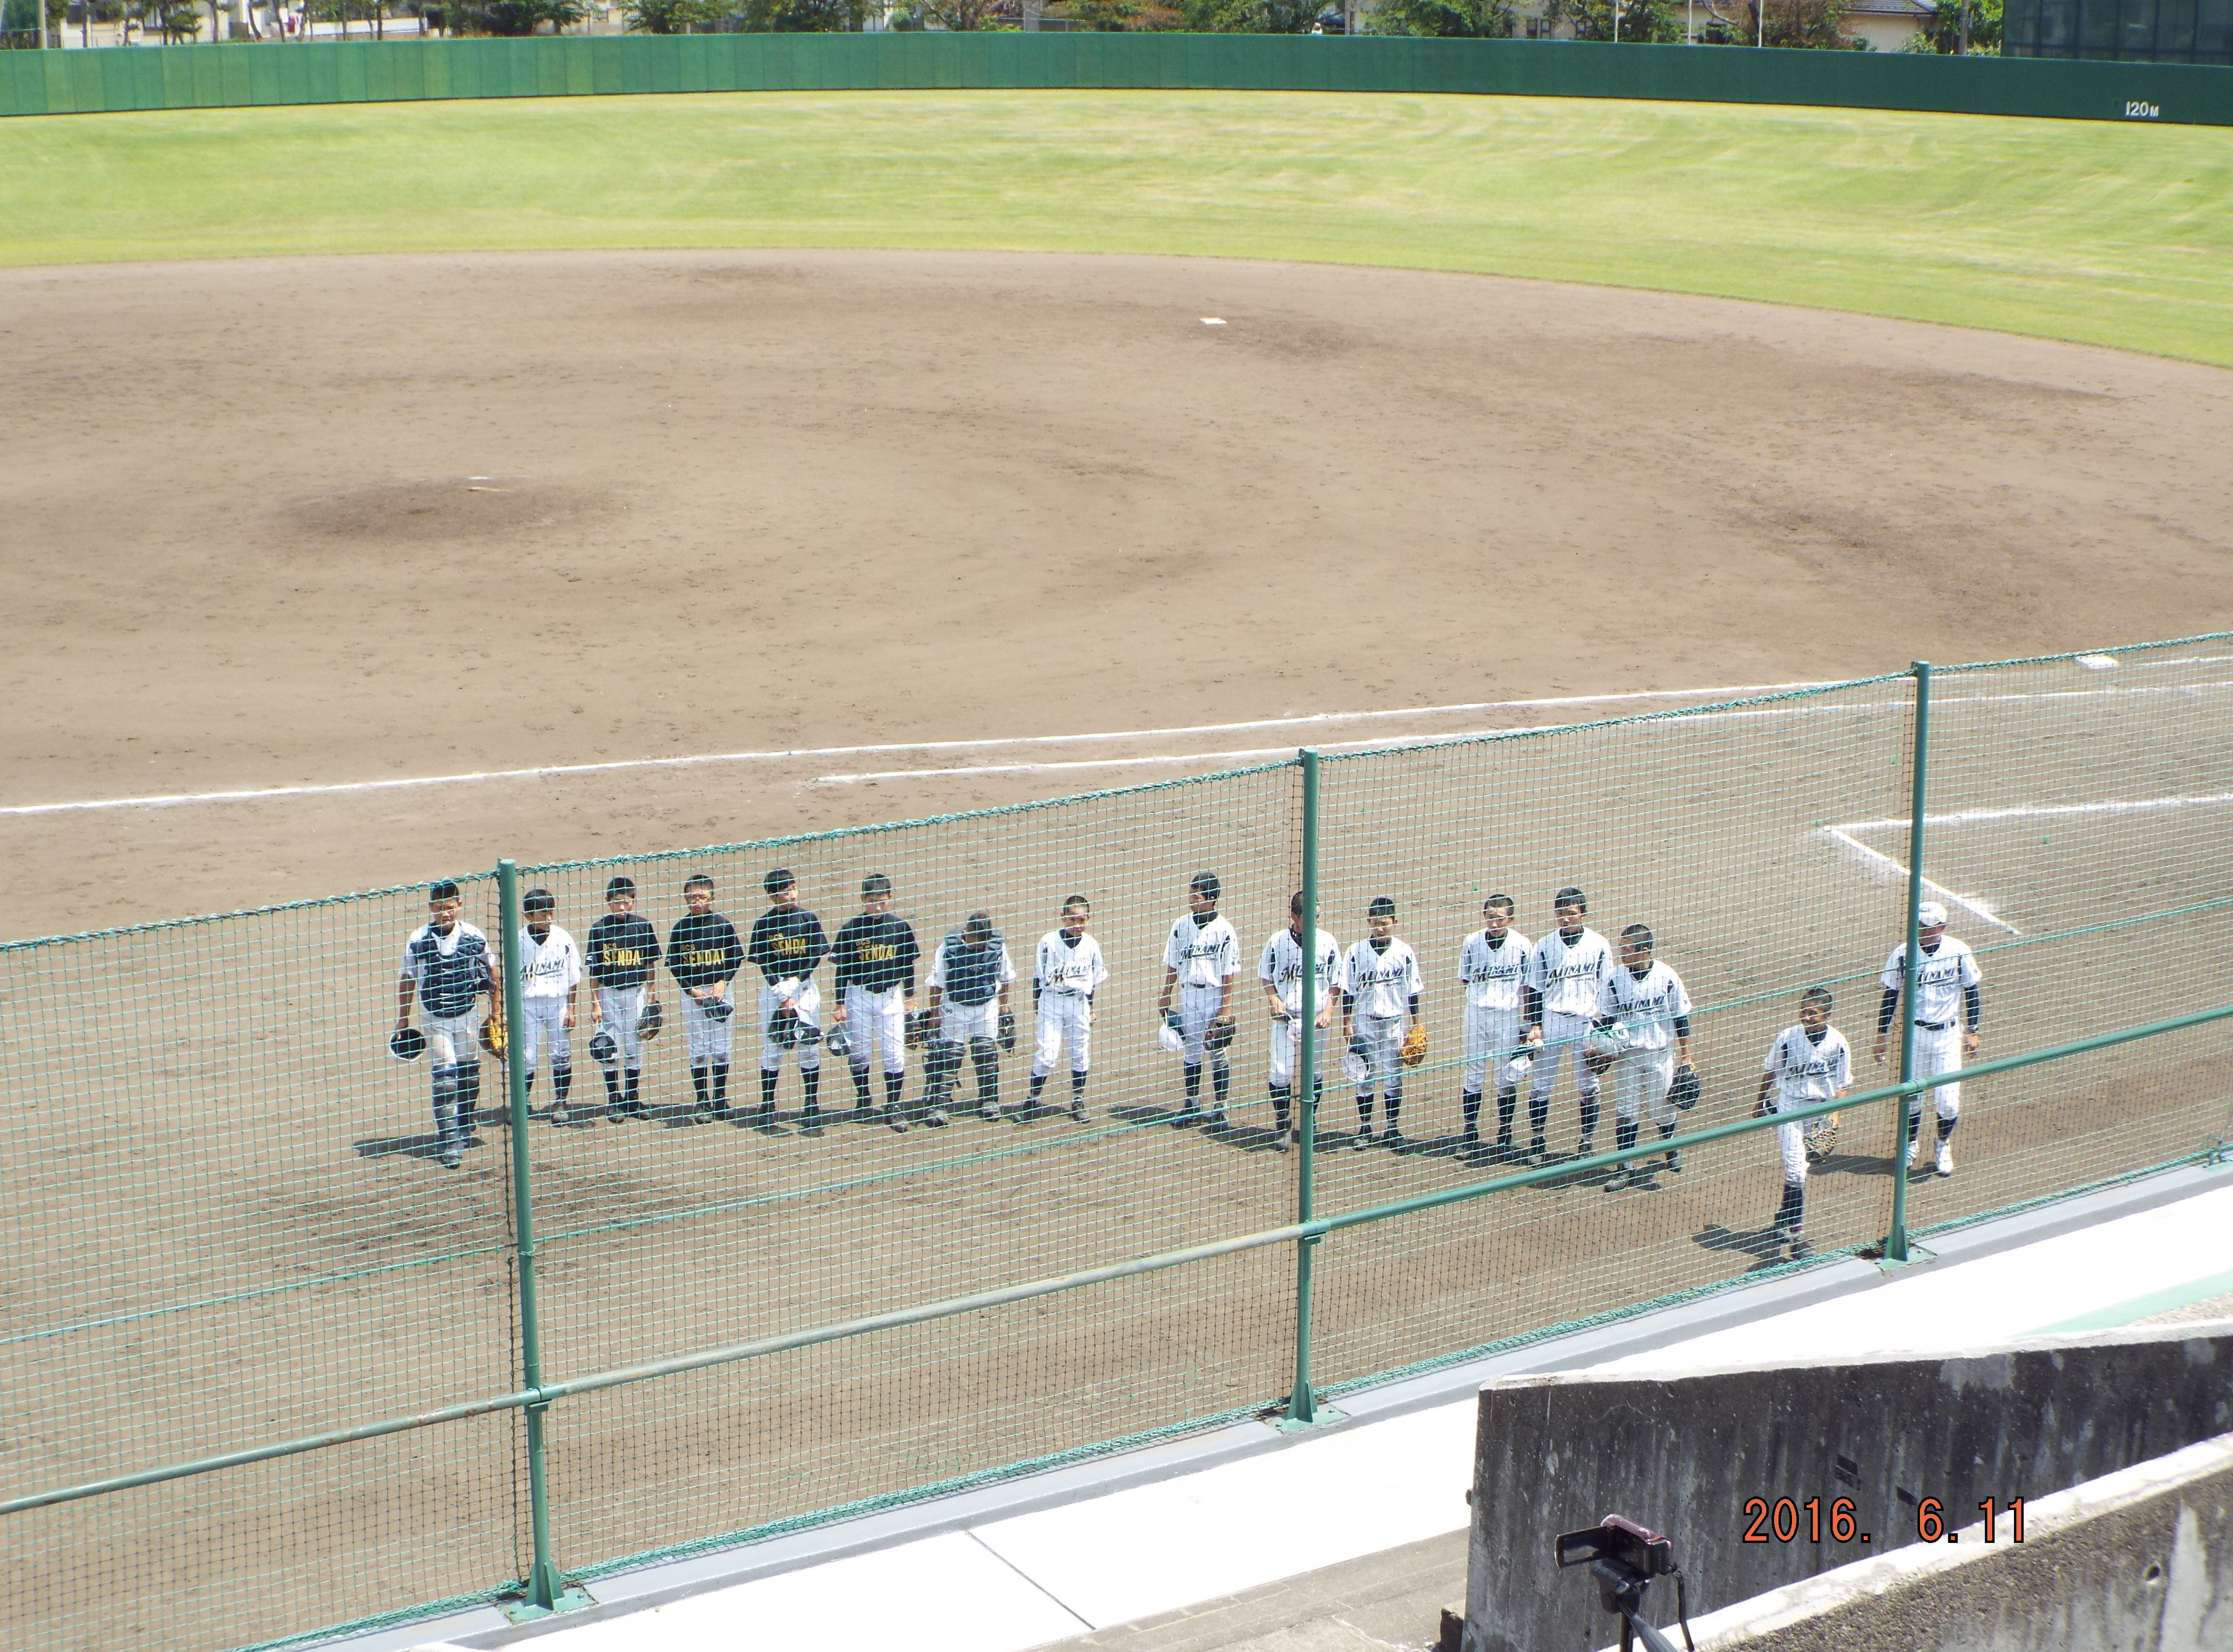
(520, 1612)
(1325, 1414)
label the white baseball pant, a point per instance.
(453, 1040)
(620, 1010)
(1492, 1038)
(1640, 1079)
(876, 1023)
(1063, 1018)
(1384, 1039)
(806, 1004)
(709, 1038)
(1287, 1054)
(960, 1022)
(544, 1022)
(1562, 1037)
(1197, 1008)
(1791, 1140)
(1937, 1053)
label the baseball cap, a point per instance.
(1929, 915)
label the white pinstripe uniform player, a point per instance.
(1493, 963)
(873, 958)
(1279, 972)
(1808, 1063)
(1380, 995)
(552, 976)
(1199, 960)
(1066, 972)
(1568, 973)
(447, 965)
(1949, 1017)
(1650, 999)
(622, 957)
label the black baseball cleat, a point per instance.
(1395, 1141)
(1187, 1114)
(561, 1117)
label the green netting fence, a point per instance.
(271, 1367)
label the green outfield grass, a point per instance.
(2110, 234)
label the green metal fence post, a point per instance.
(1302, 1406)
(545, 1588)
(1895, 1246)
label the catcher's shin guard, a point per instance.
(939, 1072)
(985, 1057)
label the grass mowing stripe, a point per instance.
(2093, 231)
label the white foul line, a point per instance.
(171, 800)
(1966, 902)
(1843, 833)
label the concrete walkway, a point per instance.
(1352, 1536)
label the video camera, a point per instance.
(1624, 1557)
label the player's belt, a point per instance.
(1064, 993)
(1933, 1026)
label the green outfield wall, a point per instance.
(228, 76)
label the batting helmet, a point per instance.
(406, 1043)
(604, 1049)
(1171, 1038)
(838, 1041)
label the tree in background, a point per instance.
(1255, 17)
(803, 17)
(664, 17)
(1808, 23)
(512, 18)
(1469, 19)
(958, 13)
(1942, 32)
(1643, 23)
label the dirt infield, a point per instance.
(745, 501)
(749, 502)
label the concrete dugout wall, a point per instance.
(1686, 1455)
(2139, 1561)
(241, 74)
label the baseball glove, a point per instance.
(717, 1008)
(650, 1021)
(1220, 1033)
(604, 1049)
(1821, 1134)
(1683, 1092)
(492, 1036)
(1007, 1030)
(809, 1035)
(406, 1043)
(1414, 1046)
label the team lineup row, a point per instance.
(1620, 1014)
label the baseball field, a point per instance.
(814, 462)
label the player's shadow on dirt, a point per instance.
(391, 1146)
(1850, 1164)
(1765, 1248)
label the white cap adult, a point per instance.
(1930, 915)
